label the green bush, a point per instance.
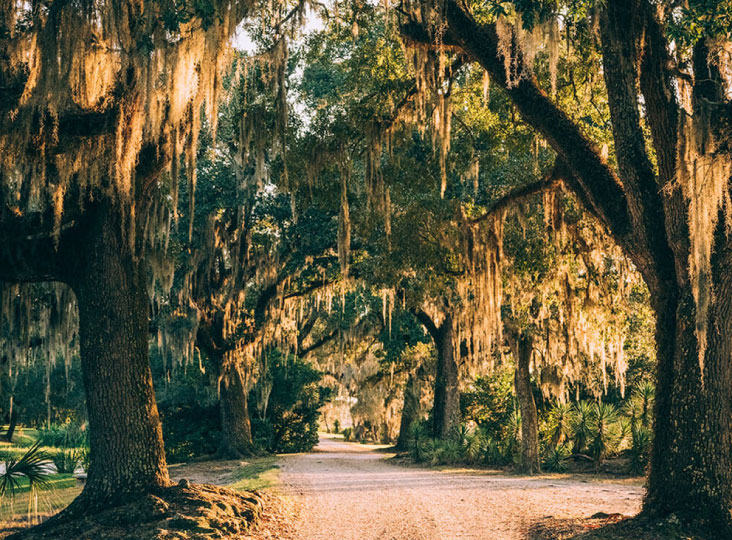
(290, 419)
(190, 430)
(493, 454)
(447, 452)
(640, 450)
(604, 428)
(85, 458)
(68, 435)
(419, 442)
(490, 403)
(67, 460)
(555, 459)
(475, 445)
(348, 434)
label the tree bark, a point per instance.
(529, 418)
(691, 461)
(446, 410)
(410, 411)
(125, 436)
(13, 422)
(236, 427)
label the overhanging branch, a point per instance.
(550, 180)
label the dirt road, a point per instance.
(347, 491)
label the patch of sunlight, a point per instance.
(24, 507)
(258, 474)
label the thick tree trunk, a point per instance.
(236, 427)
(691, 463)
(410, 411)
(446, 410)
(125, 437)
(529, 418)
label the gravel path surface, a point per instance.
(346, 491)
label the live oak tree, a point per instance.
(569, 301)
(247, 261)
(665, 202)
(101, 107)
(437, 243)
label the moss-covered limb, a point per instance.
(622, 28)
(597, 184)
(551, 180)
(657, 86)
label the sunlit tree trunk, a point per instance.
(529, 419)
(446, 410)
(410, 411)
(236, 427)
(125, 437)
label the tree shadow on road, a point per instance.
(614, 527)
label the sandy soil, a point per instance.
(345, 491)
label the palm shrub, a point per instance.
(555, 459)
(420, 443)
(632, 411)
(447, 452)
(644, 396)
(580, 426)
(461, 435)
(512, 442)
(558, 428)
(640, 449)
(492, 452)
(604, 426)
(348, 434)
(475, 446)
(623, 430)
(30, 467)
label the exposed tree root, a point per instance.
(185, 512)
(614, 527)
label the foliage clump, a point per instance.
(289, 420)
